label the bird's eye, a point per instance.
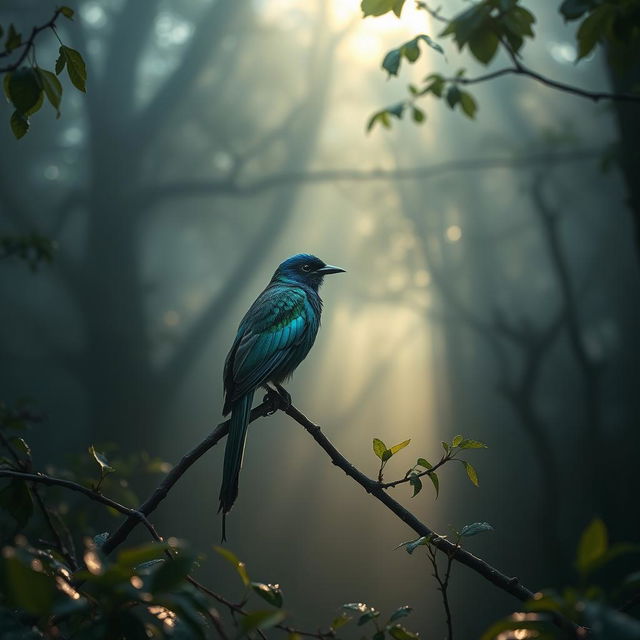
(306, 268)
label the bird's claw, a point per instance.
(285, 397)
(272, 398)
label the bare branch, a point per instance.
(230, 187)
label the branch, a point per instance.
(28, 45)
(508, 584)
(230, 187)
(41, 478)
(520, 70)
(160, 493)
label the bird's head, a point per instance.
(304, 268)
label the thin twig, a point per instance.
(522, 70)
(28, 45)
(41, 478)
(443, 585)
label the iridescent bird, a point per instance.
(273, 338)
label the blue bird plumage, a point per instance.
(273, 338)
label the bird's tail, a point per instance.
(233, 454)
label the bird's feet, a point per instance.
(278, 398)
(285, 397)
(272, 398)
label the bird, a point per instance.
(273, 338)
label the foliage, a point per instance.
(490, 26)
(33, 248)
(423, 467)
(26, 86)
(597, 603)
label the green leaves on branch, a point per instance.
(606, 22)
(33, 248)
(594, 550)
(435, 85)
(103, 465)
(26, 87)
(366, 614)
(482, 27)
(474, 529)
(409, 50)
(384, 453)
(76, 68)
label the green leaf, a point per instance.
(475, 528)
(171, 574)
(386, 455)
(358, 607)
(135, 556)
(397, 109)
(402, 612)
(14, 39)
(67, 12)
(593, 29)
(16, 500)
(75, 67)
(379, 447)
(383, 118)
(101, 538)
(472, 444)
(25, 588)
(380, 7)
(456, 441)
(398, 447)
(60, 64)
(102, 461)
(483, 44)
(436, 84)
(409, 50)
(416, 483)
(398, 632)
(445, 445)
(269, 592)
(369, 615)
(340, 621)
(24, 89)
(436, 482)
(423, 462)
(592, 546)
(52, 87)
(468, 104)
(391, 61)
(240, 567)
(260, 620)
(418, 115)
(574, 9)
(411, 545)
(471, 472)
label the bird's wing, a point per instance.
(276, 322)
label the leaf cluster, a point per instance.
(33, 248)
(596, 603)
(365, 614)
(27, 86)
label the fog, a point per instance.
(491, 290)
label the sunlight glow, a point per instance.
(453, 233)
(92, 560)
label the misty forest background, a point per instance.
(492, 289)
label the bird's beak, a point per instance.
(329, 268)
